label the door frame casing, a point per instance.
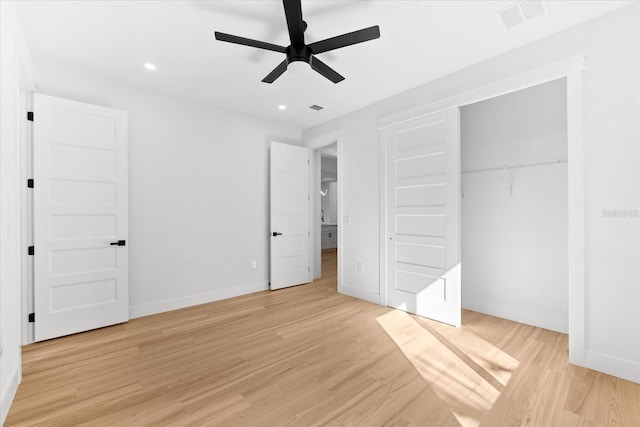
(27, 89)
(26, 207)
(315, 248)
(572, 70)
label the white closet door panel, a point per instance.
(423, 216)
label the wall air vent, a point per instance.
(316, 107)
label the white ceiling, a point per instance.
(420, 41)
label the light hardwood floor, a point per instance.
(309, 356)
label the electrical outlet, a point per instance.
(360, 267)
(254, 264)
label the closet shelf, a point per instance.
(507, 169)
(519, 165)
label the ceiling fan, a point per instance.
(298, 50)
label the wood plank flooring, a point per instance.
(308, 356)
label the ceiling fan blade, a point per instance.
(223, 37)
(277, 72)
(348, 39)
(325, 70)
(295, 23)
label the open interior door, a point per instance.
(80, 217)
(423, 270)
(289, 206)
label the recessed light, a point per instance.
(149, 66)
(282, 107)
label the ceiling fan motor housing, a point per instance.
(298, 53)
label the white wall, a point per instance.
(515, 246)
(198, 193)
(611, 85)
(359, 201)
(14, 62)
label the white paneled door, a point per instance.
(289, 208)
(423, 216)
(80, 217)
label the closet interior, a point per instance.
(515, 206)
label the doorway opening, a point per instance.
(326, 210)
(329, 203)
(514, 206)
(476, 210)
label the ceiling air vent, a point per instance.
(522, 11)
(316, 107)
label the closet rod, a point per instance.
(520, 165)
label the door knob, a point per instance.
(118, 243)
(275, 233)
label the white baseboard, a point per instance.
(620, 368)
(528, 318)
(360, 294)
(190, 300)
(7, 397)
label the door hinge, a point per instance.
(32, 317)
(30, 183)
(30, 116)
(31, 250)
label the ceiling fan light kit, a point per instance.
(298, 50)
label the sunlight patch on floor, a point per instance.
(466, 371)
(466, 421)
